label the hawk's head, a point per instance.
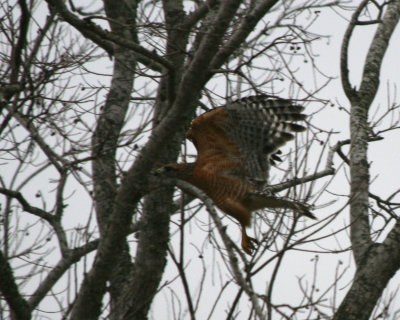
(183, 171)
(169, 170)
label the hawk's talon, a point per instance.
(249, 244)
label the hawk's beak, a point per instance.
(158, 172)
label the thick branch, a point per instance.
(106, 135)
(359, 130)
(209, 45)
(9, 290)
(380, 263)
(26, 206)
(197, 15)
(371, 74)
(245, 28)
(359, 185)
(6, 92)
(16, 53)
(144, 279)
(104, 148)
(344, 63)
(105, 39)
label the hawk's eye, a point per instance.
(164, 170)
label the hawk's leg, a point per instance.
(236, 210)
(256, 201)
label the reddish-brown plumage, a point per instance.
(234, 144)
(218, 161)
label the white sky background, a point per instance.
(385, 157)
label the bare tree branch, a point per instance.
(105, 39)
(359, 168)
(344, 64)
(9, 290)
(241, 33)
(373, 62)
(376, 262)
(16, 53)
(26, 206)
(58, 271)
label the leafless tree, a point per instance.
(376, 261)
(95, 96)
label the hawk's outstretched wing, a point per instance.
(240, 137)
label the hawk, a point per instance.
(236, 144)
